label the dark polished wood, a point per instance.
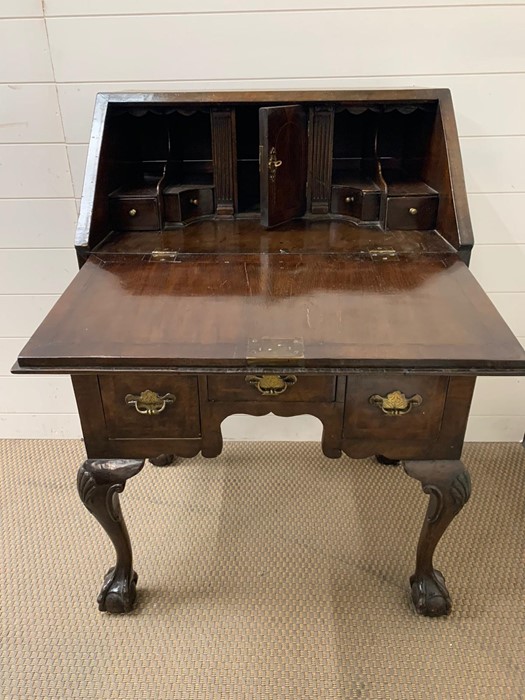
(99, 483)
(448, 485)
(274, 252)
(428, 313)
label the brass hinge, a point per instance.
(163, 256)
(383, 254)
(274, 350)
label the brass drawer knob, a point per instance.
(149, 402)
(194, 201)
(412, 211)
(271, 384)
(132, 212)
(395, 403)
(349, 200)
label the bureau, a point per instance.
(283, 252)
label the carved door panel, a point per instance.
(283, 163)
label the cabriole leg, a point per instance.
(99, 483)
(448, 485)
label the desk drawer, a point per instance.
(151, 405)
(271, 387)
(182, 204)
(134, 214)
(395, 407)
(412, 213)
(359, 203)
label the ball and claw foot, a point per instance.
(118, 592)
(430, 595)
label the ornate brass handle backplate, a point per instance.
(273, 163)
(395, 403)
(149, 402)
(271, 384)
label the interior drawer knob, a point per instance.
(132, 212)
(149, 402)
(395, 403)
(271, 384)
(194, 201)
(349, 200)
(412, 211)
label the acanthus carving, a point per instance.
(99, 484)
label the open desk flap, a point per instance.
(283, 163)
(356, 312)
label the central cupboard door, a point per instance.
(283, 163)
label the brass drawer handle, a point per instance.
(349, 200)
(132, 212)
(271, 384)
(412, 211)
(194, 201)
(395, 403)
(149, 402)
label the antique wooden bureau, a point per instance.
(285, 252)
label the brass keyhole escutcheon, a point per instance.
(271, 384)
(273, 164)
(132, 212)
(395, 403)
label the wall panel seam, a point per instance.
(372, 76)
(57, 97)
(274, 11)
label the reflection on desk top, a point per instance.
(350, 313)
(300, 236)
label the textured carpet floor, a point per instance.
(270, 572)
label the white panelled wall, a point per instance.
(57, 54)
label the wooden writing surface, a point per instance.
(202, 310)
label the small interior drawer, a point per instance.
(395, 407)
(412, 212)
(358, 202)
(132, 410)
(347, 201)
(134, 214)
(269, 387)
(183, 204)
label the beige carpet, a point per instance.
(270, 572)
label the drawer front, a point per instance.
(396, 407)
(347, 201)
(186, 205)
(271, 387)
(195, 203)
(140, 214)
(407, 213)
(150, 405)
(351, 201)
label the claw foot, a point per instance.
(430, 595)
(118, 591)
